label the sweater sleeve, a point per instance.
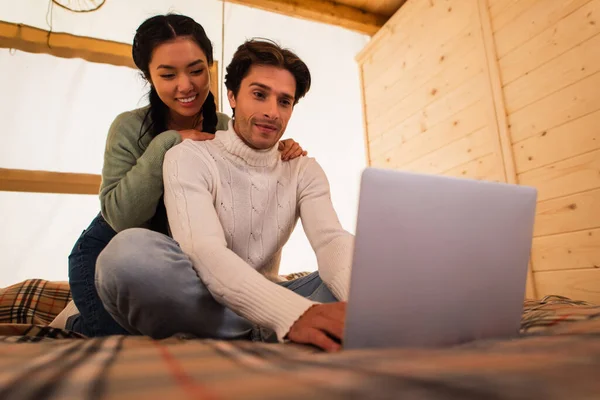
(332, 244)
(131, 186)
(195, 225)
(222, 121)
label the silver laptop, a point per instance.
(438, 261)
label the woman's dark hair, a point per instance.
(150, 34)
(266, 52)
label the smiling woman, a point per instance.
(179, 73)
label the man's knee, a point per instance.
(129, 260)
(123, 256)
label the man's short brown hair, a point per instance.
(266, 52)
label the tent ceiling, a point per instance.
(365, 16)
(387, 8)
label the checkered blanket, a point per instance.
(556, 357)
(34, 301)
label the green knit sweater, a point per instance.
(132, 184)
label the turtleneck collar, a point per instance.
(232, 143)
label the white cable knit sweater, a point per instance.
(232, 208)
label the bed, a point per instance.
(556, 356)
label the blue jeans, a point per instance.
(93, 319)
(149, 285)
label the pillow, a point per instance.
(34, 301)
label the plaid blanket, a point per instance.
(560, 363)
(556, 357)
(34, 301)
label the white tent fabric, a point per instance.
(56, 113)
(116, 20)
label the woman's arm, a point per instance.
(132, 183)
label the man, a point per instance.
(232, 204)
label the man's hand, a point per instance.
(195, 135)
(321, 325)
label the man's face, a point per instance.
(263, 105)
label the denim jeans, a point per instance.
(149, 285)
(93, 319)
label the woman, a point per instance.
(174, 55)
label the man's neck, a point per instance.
(235, 144)
(242, 138)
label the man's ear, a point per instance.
(231, 98)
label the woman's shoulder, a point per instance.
(222, 121)
(127, 125)
(135, 116)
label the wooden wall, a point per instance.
(501, 90)
(551, 81)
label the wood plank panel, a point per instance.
(579, 284)
(410, 51)
(506, 11)
(574, 175)
(575, 250)
(20, 180)
(567, 104)
(364, 116)
(413, 35)
(437, 86)
(531, 21)
(499, 6)
(487, 168)
(438, 95)
(568, 214)
(408, 25)
(460, 125)
(462, 151)
(402, 78)
(574, 29)
(569, 140)
(405, 18)
(420, 124)
(327, 12)
(497, 110)
(435, 114)
(574, 65)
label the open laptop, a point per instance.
(438, 261)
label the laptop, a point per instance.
(438, 261)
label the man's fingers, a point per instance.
(334, 327)
(317, 338)
(321, 340)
